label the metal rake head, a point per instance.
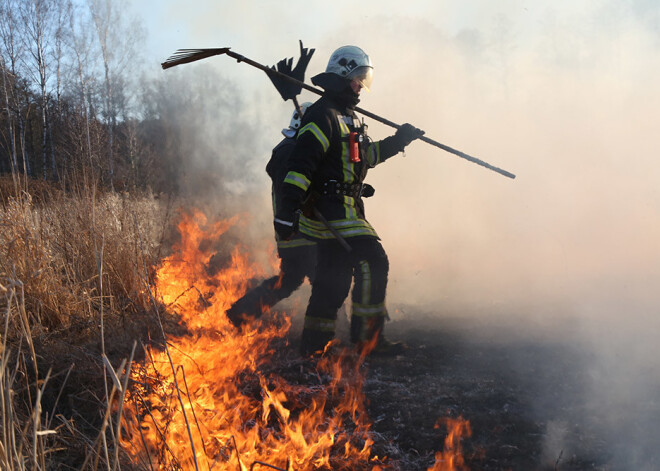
(183, 56)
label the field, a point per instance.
(92, 284)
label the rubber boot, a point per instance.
(253, 303)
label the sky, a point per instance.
(561, 93)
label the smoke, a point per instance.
(565, 97)
(569, 249)
(581, 213)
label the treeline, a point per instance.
(72, 104)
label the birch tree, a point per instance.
(37, 17)
(9, 52)
(79, 43)
(6, 87)
(117, 39)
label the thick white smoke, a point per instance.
(563, 95)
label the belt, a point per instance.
(335, 188)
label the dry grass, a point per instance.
(72, 291)
(75, 257)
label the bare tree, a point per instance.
(6, 87)
(117, 40)
(61, 31)
(80, 41)
(10, 51)
(57, 52)
(65, 79)
(39, 26)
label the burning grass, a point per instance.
(82, 280)
(213, 401)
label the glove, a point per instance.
(406, 134)
(298, 71)
(367, 191)
(289, 90)
(286, 227)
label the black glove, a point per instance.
(289, 90)
(298, 71)
(406, 134)
(286, 226)
(367, 191)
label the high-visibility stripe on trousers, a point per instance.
(367, 265)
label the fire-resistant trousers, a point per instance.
(296, 263)
(367, 265)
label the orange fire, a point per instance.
(451, 458)
(205, 402)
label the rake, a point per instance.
(184, 56)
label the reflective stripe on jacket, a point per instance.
(322, 154)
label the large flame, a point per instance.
(219, 410)
(207, 400)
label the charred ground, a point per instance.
(527, 399)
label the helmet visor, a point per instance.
(364, 75)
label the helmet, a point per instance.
(296, 118)
(351, 62)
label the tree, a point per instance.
(10, 52)
(6, 90)
(117, 39)
(80, 42)
(39, 20)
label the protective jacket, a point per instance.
(321, 168)
(277, 170)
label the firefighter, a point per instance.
(326, 171)
(297, 254)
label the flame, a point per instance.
(206, 402)
(451, 458)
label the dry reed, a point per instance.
(73, 298)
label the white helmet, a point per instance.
(296, 118)
(351, 62)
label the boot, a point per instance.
(367, 333)
(386, 347)
(244, 310)
(313, 342)
(251, 306)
